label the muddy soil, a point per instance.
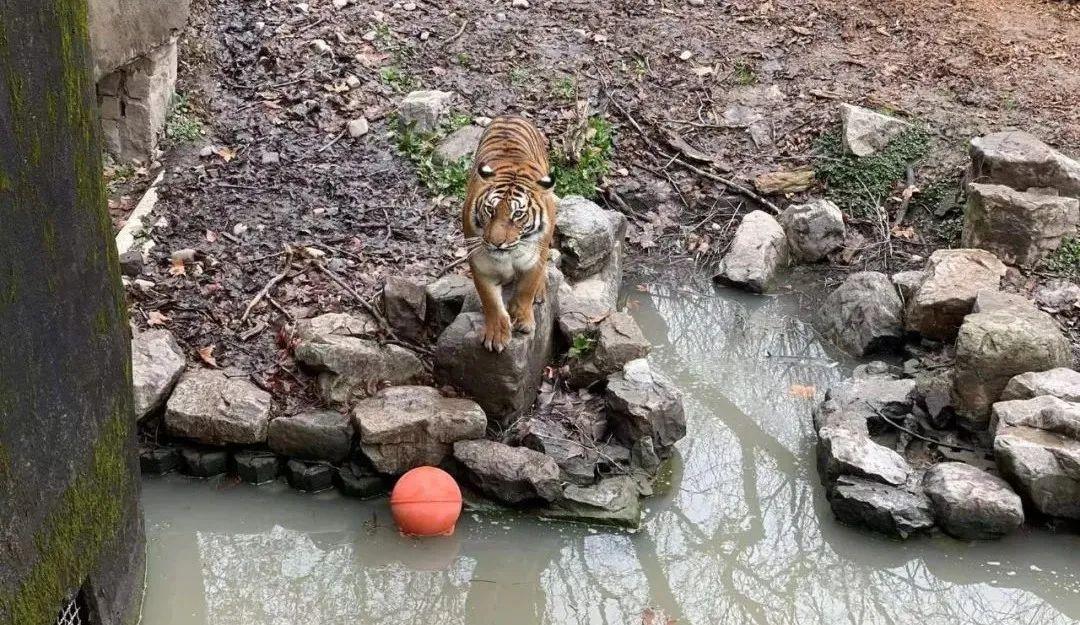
(277, 168)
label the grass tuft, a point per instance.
(447, 179)
(182, 124)
(580, 174)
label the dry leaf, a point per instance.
(702, 70)
(155, 318)
(805, 391)
(206, 354)
(656, 616)
(176, 267)
(906, 233)
(227, 154)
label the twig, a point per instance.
(371, 309)
(464, 23)
(269, 285)
(333, 141)
(916, 434)
(909, 191)
(442, 272)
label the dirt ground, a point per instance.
(276, 168)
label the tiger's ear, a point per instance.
(547, 181)
(485, 171)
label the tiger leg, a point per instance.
(496, 319)
(531, 284)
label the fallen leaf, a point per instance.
(176, 267)
(702, 70)
(656, 616)
(155, 318)
(226, 153)
(907, 233)
(686, 149)
(206, 354)
(805, 391)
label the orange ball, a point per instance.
(426, 502)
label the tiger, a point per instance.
(509, 220)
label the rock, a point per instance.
(994, 346)
(577, 462)
(520, 4)
(586, 235)
(1020, 228)
(1043, 466)
(461, 143)
(585, 301)
(309, 476)
(1061, 382)
(784, 182)
(210, 408)
(990, 301)
(354, 484)
(511, 475)
(813, 230)
(864, 314)
(405, 305)
(158, 460)
(421, 109)
(757, 252)
(445, 298)
(338, 324)
(889, 510)
(358, 127)
(613, 501)
(867, 398)
(404, 427)
(203, 462)
(866, 132)
(907, 283)
(1044, 413)
(1019, 160)
(131, 263)
(256, 467)
(504, 383)
(642, 402)
(935, 392)
(349, 367)
(946, 295)
(971, 504)
(844, 450)
(321, 46)
(618, 340)
(1059, 295)
(317, 435)
(156, 364)
(270, 158)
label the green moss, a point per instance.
(1066, 259)
(579, 174)
(79, 530)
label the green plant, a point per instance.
(440, 178)
(855, 183)
(744, 73)
(581, 346)
(384, 37)
(464, 60)
(564, 88)
(1065, 259)
(578, 174)
(182, 124)
(396, 79)
(519, 76)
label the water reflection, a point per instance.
(743, 535)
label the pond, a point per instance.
(744, 535)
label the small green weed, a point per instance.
(744, 73)
(579, 174)
(564, 88)
(582, 345)
(855, 183)
(1065, 259)
(464, 60)
(447, 179)
(396, 79)
(519, 76)
(384, 37)
(950, 229)
(182, 124)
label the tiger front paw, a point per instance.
(497, 333)
(522, 317)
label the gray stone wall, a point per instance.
(122, 31)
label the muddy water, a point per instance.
(743, 536)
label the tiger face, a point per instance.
(508, 210)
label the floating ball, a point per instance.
(426, 502)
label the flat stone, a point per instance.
(404, 427)
(158, 460)
(1060, 382)
(256, 467)
(511, 475)
(869, 397)
(421, 110)
(360, 324)
(203, 462)
(317, 435)
(586, 235)
(994, 346)
(885, 509)
(642, 402)
(1043, 466)
(405, 306)
(576, 460)
(971, 504)
(1021, 161)
(309, 477)
(461, 143)
(865, 132)
(156, 364)
(1044, 413)
(757, 252)
(353, 484)
(814, 230)
(845, 451)
(445, 297)
(864, 314)
(211, 408)
(1020, 228)
(618, 340)
(349, 367)
(947, 294)
(613, 501)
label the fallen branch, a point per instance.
(442, 272)
(269, 285)
(368, 306)
(464, 23)
(333, 141)
(916, 434)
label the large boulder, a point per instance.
(1058, 295)
(554, 439)
(404, 427)
(616, 341)
(1044, 466)
(421, 110)
(865, 132)
(405, 305)
(1020, 228)
(1044, 413)
(316, 435)
(947, 293)
(643, 403)
(994, 346)
(869, 399)
(1062, 382)
(757, 252)
(971, 504)
(445, 298)
(503, 383)
(461, 143)
(156, 364)
(586, 234)
(348, 366)
(210, 407)
(511, 475)
(612, 501)
(1019, 160)
(813, 230)
(890, 510)
(845, 451)
(864, 314)
(583, 303)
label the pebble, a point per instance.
(143, 285)
(520, 4)
(352, 81)
(341, 4)
(697, 3)
(358, 127)
(369, 36)
(409, 6)
(685, 55)
(239, 229)
(271, 158)
(207, 151)
(321, 46)
(500, 17)
(303, 7)
(483, 122)
(424, 35)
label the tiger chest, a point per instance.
(504, 268)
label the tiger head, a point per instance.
(509, 205)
